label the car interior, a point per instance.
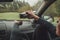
(13, 10)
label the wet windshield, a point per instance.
(11, 10)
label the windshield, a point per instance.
(11, 10)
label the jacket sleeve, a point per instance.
(50, 27)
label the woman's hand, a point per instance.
(31, 15)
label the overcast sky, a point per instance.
(31, 2)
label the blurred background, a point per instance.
(11, 10)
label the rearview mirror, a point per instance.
(6, 0)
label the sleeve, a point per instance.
(50, 27)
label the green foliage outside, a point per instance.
(14, 6)
(24, 8)
(18, 7)
(54, 9)
(11, 16)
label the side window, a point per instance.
(52, 13)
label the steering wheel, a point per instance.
(16, 35)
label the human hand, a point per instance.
(31, 15)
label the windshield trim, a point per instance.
(44, 6)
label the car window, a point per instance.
(11, 10)
(53, 12)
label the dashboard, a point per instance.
(9, 25)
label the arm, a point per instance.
(49, 26)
